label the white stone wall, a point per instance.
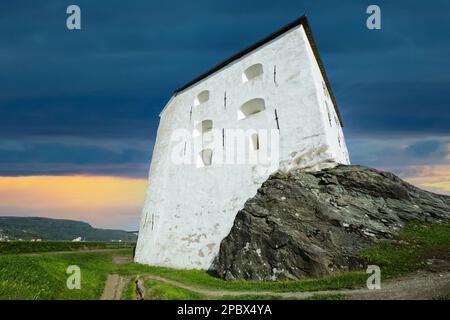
(189, 209)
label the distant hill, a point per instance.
(28, 228)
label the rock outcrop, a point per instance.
(314, 223)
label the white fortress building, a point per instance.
(269, 107)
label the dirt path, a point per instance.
(121, 259)
(417, 286)
(115, 284)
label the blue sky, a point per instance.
(87, 102)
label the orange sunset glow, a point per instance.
(434, 177)
(100, 200)
(116, 202)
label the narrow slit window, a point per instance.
(251, 107)
(223, 138)
(336, 120)
(275, 74)
(325, 90)
(276, 119)
(225, 100)
(329, 113)
(252, 72)
(201, 98)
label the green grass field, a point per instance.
(414, 246)
(407, 253)
(43, 275)
(207, 280)
(160, 290)
(271, 297)
(129, 292)
(15, 247)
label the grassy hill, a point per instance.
(423, 247)
(27, 228)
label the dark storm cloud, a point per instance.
(397, 107)
(86, 115)
(56, 156)
(111, 79)
(428, 148)
(59, 153)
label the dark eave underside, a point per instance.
(300, 21)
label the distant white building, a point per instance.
(276, 88)
(79, 239)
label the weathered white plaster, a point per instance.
(190, 208)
